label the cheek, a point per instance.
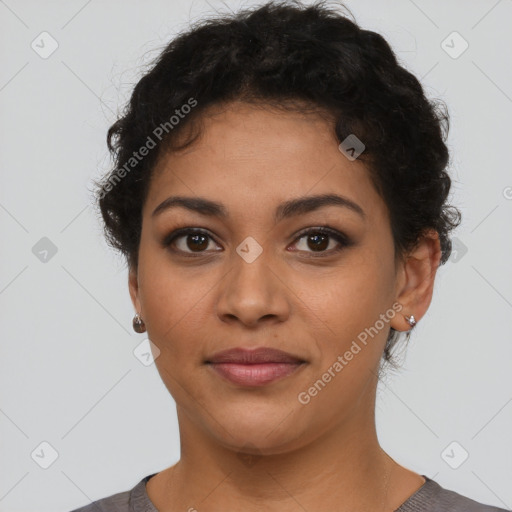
(352, 337)
(174, 309)
(165, 303)
(346, 307)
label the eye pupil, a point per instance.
(319, 244)
(195, 245)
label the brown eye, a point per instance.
(322, 240)
(188, 241)
(196, 242)
(317, 242)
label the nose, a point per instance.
(253, 293)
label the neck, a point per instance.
(343, 469)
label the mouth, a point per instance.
(254, 368)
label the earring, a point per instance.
(138, 324)
(411, 320)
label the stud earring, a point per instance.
(138, 324)
(411, 320)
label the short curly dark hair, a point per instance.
(293, 57)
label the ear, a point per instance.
(133, 286)
(415, 281)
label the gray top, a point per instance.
(430, 497)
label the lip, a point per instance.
(256, 367)
(253, 356)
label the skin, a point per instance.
(324, 455)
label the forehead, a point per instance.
(249, 157)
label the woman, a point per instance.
(280, 197)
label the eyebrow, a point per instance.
(298, 206)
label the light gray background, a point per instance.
(68, 373)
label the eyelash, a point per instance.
(341, 238)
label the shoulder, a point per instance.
(126, 501)
(119, 502)
(432, 497)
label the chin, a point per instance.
(265, 432)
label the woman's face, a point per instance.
(258, 280)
